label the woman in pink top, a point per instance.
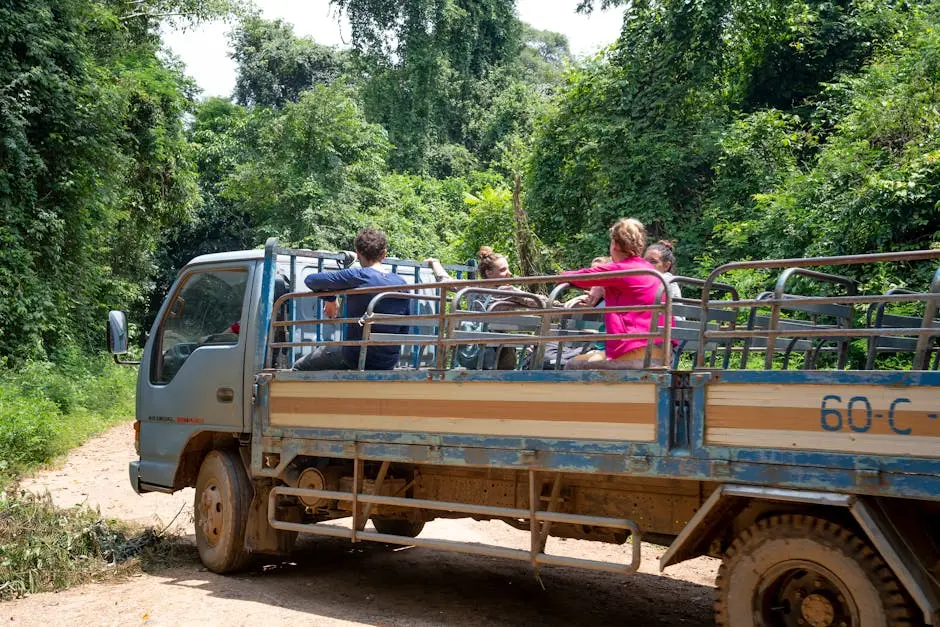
(627, 243)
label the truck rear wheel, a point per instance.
(795, 570)
(398, 526)
(223, 497)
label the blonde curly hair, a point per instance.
(629, 235)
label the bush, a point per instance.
(46, 408)
(27, 427)
(45, 548)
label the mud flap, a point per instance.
(261, 537)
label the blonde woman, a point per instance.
(627, 244)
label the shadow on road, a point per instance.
(392, 585)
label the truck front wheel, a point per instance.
(223, 498)
(795, 570)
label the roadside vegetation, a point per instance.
(46, 409)
(44, 548)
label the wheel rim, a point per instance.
(797, 593)
(210, 506)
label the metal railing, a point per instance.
(791, 323)
(777, 328)
(447, 317)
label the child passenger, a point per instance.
(627, 243)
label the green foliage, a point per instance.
(489, 223)
(421, 215)
(874, 184)
(93, 164)
(44, 548)
(747, 130)
(47, 408)
(310, 171)
(275, 66)
(422, 59)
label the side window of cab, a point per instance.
(205, 310)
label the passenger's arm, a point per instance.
(332, 281)
(440, 274)
(581, 278)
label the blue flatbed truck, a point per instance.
(818, 485)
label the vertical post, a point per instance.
(413, 307)
(357, 487)
(931, 307)
(533, 523)
(441, 357)
(292, 307)
(377, 491)
(363, 346)
(319, 306)
(552, 505)
(667, 332)
(545, 330)
(264, 329)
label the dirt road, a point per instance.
(332, 582)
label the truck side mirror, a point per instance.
(117, 336)
(117, 333)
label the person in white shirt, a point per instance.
(662, 257)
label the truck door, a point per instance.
(192, 375)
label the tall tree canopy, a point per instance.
(672, 125)
(422, 59)
(93, 164)
(275, 66)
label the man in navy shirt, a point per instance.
(371, 246)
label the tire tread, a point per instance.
(897, 606)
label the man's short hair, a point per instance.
(371, 244)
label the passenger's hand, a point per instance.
(594, 296)
(331, 308)
(577, 301)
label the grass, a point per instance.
(45, 548)
(45, 410)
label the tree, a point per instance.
(309, 171)
(275, 66)
(658, 127)
(874, 184)
(92, 167)
(422, 59)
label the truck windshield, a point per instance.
(207, 309)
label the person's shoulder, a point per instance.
(379, 277)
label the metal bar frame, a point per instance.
(535, 555)
(919, 255)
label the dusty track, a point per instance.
(331, 582)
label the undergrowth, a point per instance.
(45, 548)
(48, 408)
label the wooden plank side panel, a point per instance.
(863, 419)
(601, 411)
